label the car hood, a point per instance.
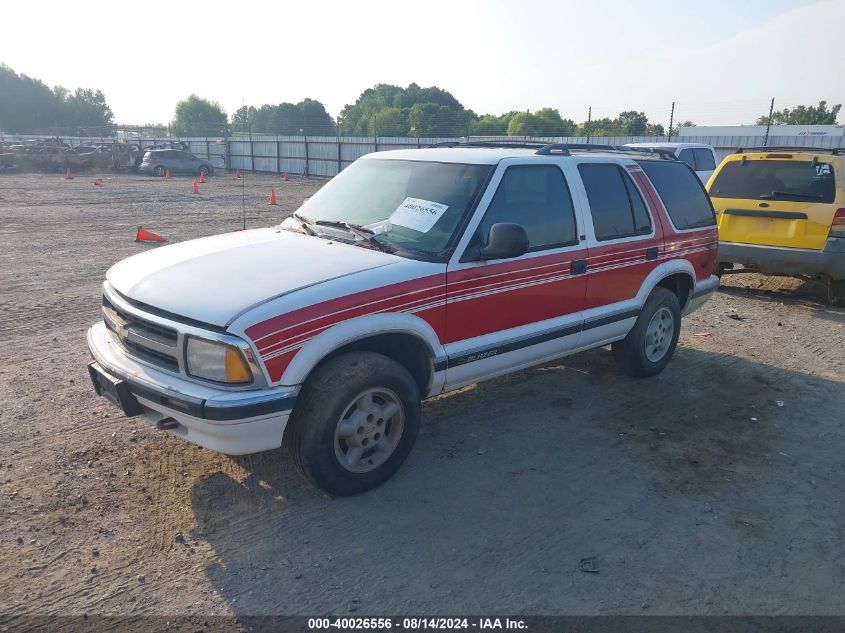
(215, 279)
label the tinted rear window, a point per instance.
(786, 180)
(616, 206)
(687, 156)
(704, 159)
(681, 192)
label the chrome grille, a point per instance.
(142, 339)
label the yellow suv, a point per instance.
(781, 210)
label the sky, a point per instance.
(721, 61)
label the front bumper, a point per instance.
(829, 261)
(228, 421)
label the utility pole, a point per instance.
(769, 124)
(671, 120)
(589, 120)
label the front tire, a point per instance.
(204, 170)
(159, 171)
(354, 423)
(650, 344)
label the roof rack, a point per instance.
(592, 147)
(503, 143)
(560, 149)
(791, 148)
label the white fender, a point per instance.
(662, 271)
(359, 328)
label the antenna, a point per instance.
(243, 177)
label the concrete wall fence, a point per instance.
(326, 156)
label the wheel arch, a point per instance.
(405, 338)
(677, 275)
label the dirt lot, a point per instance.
(713, 488)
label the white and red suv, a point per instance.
(412, 273)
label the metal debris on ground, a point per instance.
(589, 565)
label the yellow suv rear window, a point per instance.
(786, 180)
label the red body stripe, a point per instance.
(508, 294)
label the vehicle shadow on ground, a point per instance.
(690, 488)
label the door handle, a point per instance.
(578, 267)
(651, 253)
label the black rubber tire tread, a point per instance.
(320, 405)
(630, 351)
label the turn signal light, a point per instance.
(236, 368)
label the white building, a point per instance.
(760, 130)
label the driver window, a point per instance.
(537, 198)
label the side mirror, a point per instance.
(505, 240)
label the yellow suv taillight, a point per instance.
(837, 227)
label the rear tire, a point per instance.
(355, 422)
(650, 344)
(836, 292)
(204, 170)
(159, 171)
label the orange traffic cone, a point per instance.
(272, 197)
(238, 174)
(196, 188)
(148, 236)
(99, 181)
(68, 175)
(202, 177)
(167, 174)
(286, 176)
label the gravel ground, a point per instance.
(712, 488)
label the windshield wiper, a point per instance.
(305, 223)
(791, 195)
(363, 232)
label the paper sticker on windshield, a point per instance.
(823, 170)
(417, 214)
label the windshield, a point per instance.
(412, 205)
(786, 180)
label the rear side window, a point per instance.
(686, 156)
(704, 159)
(785, 180)
(617, 208)
(535, 197)
(682, 193)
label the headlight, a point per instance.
(216, 361)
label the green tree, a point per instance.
(391, 110)
(389, 121)
(196, 116)
(548, 122)
(430, 119)
(84, 107)
(289, 119)
(632, 123)
(27, 105)
(804, 115)
(243, 118)
(492, 125)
